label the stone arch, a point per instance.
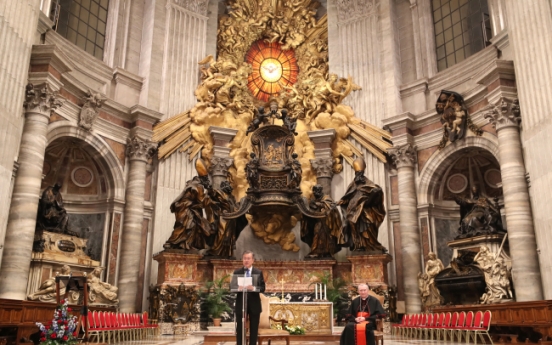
(102, 152)
(438, 163)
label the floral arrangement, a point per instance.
(62, 329)
(293, 330)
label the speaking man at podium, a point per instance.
(254, 285)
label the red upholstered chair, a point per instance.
(443, 327)
(458, 331)
(451, 327)
(396, 328)
(430, 322)
(439, 319)
(481, 327)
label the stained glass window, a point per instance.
(273, 68)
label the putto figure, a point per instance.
(191, 229)
(363, 211)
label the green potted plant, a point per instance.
(336, 290)
(213, 298)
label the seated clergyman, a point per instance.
(361, 319)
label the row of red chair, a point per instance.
(119, 326)
(442, 326)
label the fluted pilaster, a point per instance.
(138, 151)
(186, 41)
(505, 117)
(404, 158)
(14, 273)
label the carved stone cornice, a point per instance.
(90, 110)
(352, 10)
(139, 148)
(41, 99)
(195, 6)
(505, 114)
(220, 166)
(403, 156)
(322, 167)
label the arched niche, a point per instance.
(451, 173)
(92, 183)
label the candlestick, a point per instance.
(315, 291)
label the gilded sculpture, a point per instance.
(426, 282)
(478, 215)
(312, 96)
(363, 211)
(323, 235)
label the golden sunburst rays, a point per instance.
(272, 69)
(372, 138)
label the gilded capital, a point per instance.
(220, 166)
(322, 167)
(505, 114)
(403, 156)
(140, 149)
(41, 99)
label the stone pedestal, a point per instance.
(178, 268)
(370, 269)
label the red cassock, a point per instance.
(360, 329)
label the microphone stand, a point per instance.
(244, 310)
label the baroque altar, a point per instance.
(315, 317)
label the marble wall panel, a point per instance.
(90, 227)
(445, 230)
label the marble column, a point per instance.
(221, 161)
(530, 34)
(404, 158)
(526, 276)
(14, 273)
(323, 161)
(139, 151)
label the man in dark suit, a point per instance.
(254, 307)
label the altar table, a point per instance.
(315, 317)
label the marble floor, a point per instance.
(198, 340)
